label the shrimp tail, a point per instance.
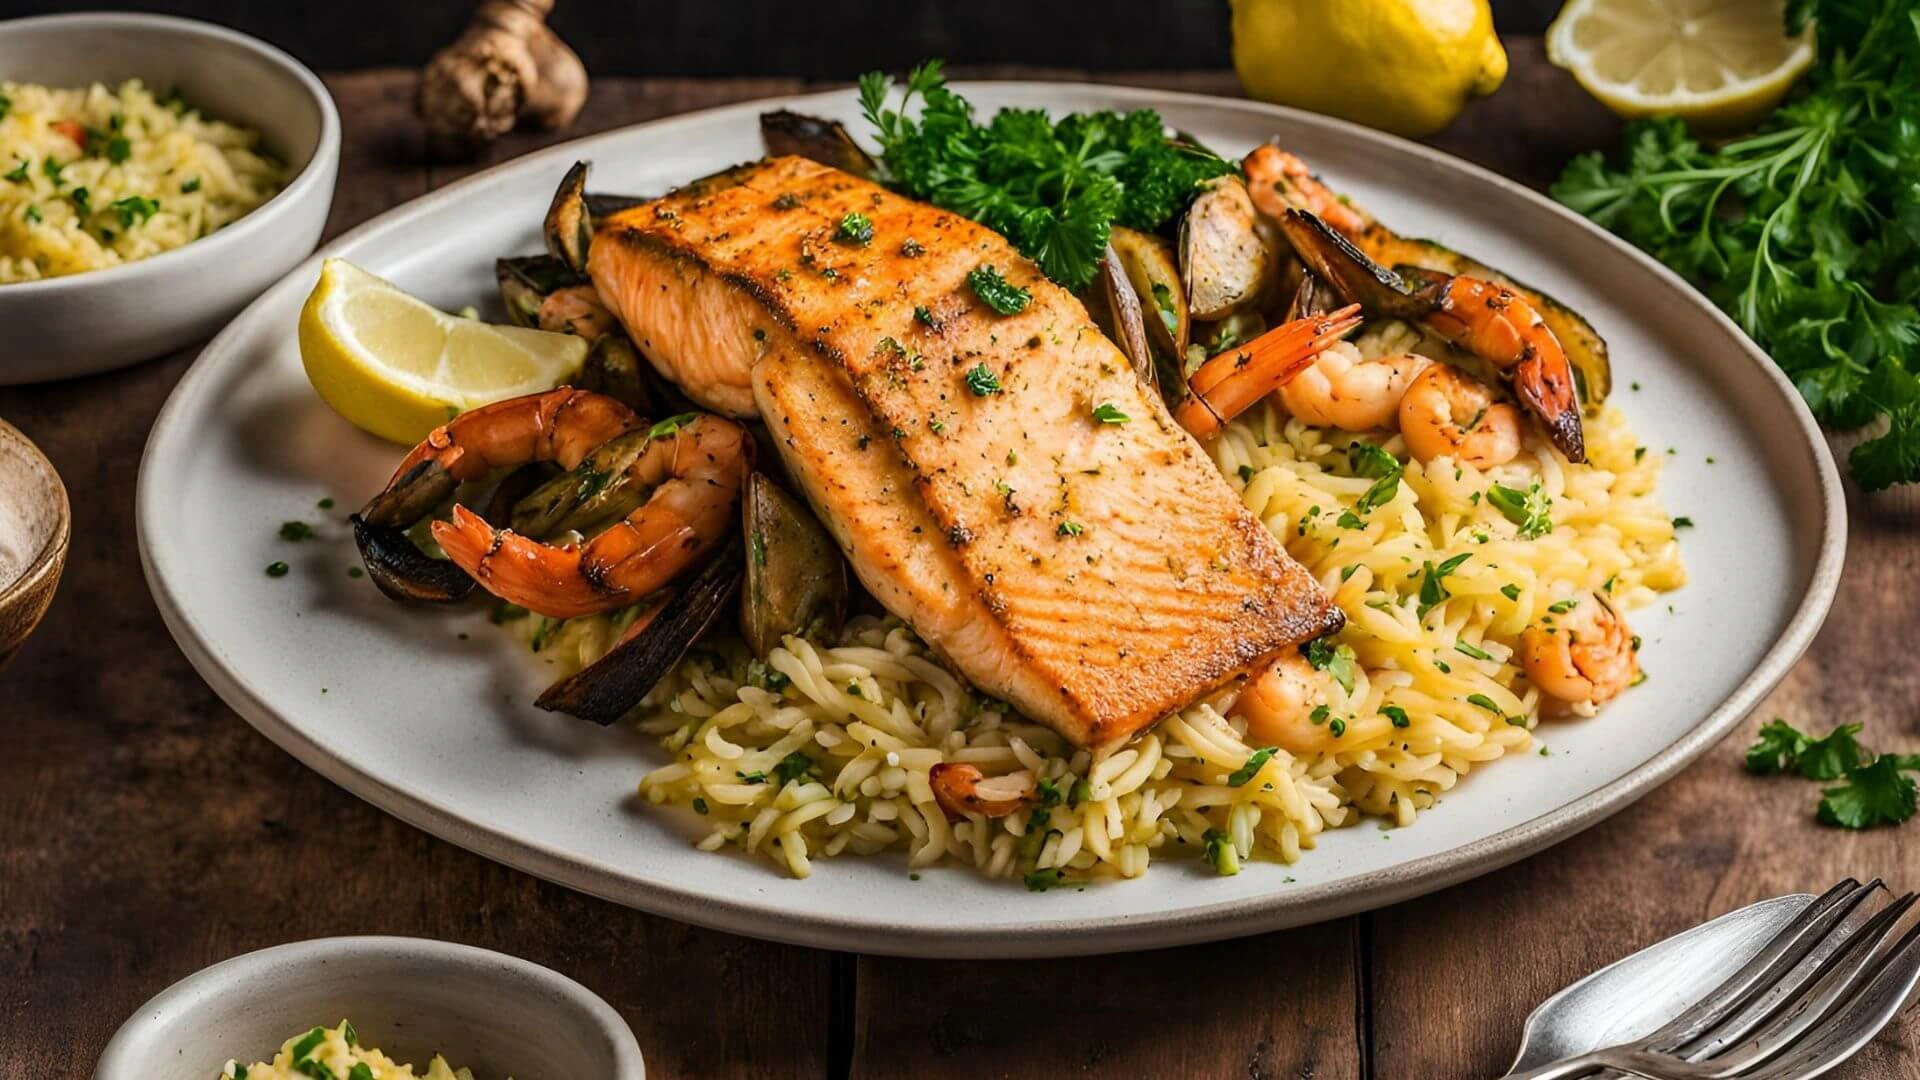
(1230, 383)
(539, 577)
(1547, 392)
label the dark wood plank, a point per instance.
(1279, 1005)
(146, 831)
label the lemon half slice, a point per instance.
(398, 367)
(1721, 65)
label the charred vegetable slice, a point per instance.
(1351, 273)
(569, 225)
(513, 487)
(594, 492)
(525, 283)
(607, 689)
(602, 205)
(394, 562)
(1226, 258)
(796, 576)
(1150, 267)
(615, 368)
(817, 139)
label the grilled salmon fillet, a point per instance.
(1004, 483)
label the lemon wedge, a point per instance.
(1721, 65)
(398, 367)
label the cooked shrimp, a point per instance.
(1497, 324)
(962, 789)
(1229, 384)
(696, 471)
(1446, 414)
(1278, 705)
(560, 426)
(576, 310)
(1343, 389)
(1583, 656)
(1485, 318)
(1279, 181)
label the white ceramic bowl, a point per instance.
(410, 997)
(104, 319)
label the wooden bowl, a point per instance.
(35, 526)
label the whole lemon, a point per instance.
(1405, 66)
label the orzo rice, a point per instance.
(94, 178)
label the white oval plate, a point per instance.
(393, 705)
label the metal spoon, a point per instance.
(1631, 998)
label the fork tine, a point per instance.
(1790, 1009)
(1786, 949)
(1856, 1022)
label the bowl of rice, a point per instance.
(370, 1007)
(155, 175)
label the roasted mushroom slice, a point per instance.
(1226, 256)
(815, 138)
(1155, 277)
(1116, 310)
(608, 688)
(796, 576)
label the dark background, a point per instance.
(826, 39)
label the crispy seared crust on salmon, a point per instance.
(1096, 574)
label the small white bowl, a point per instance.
(412, 998)
(102, 319)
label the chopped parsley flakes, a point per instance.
(982, 381)
(856, 230)
(997, 292)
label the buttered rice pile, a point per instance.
(94, 178)
(825, 748)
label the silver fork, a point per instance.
(1819, 990)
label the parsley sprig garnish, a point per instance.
(1802, 231)
(1874, 789)
(1054, 189)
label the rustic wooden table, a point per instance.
(146, 831)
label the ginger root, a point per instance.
(508, 67)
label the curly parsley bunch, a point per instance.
(1053, 189)
(1805, 231)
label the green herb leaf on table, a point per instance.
(1876, 794)
(1777, 750)
(1833, 755)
